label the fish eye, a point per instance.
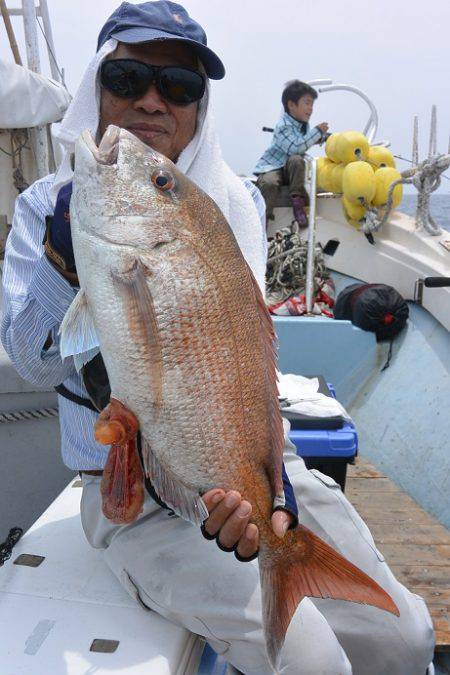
(163, 180)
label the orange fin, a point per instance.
(308, 567)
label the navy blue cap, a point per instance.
(160, 20)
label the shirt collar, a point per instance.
(303, 126)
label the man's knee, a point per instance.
(268, 183)
(295, 161)
(417, 630)
(404, 646)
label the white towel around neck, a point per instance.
(201, 160)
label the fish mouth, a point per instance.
(107, 150)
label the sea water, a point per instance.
(439, 208)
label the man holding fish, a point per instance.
(169, 255)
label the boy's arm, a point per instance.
(291, 141)
(35, 299)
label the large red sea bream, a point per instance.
(189, 349)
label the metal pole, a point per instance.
(433, 132)
(311, 235)
(415, 146)
(50, 45)
(38, 133)
(371, 127)
(10, 33)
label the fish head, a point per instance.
(128, 193)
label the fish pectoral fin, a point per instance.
(78, 334)
(131, 282)
(186, 502)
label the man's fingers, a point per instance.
(212, 498)
(249, 542)
(221, 511)
(281, 521)
(235, 524)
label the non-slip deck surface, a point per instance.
(416, 546)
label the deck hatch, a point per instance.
(104, 646)
(29, 560)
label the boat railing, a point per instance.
(311, 163)
(30, 14)
(371, 127)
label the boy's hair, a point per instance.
(294, 90)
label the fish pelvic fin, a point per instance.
(308, 567)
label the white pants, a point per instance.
(167, 566)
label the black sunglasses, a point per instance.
(128, 78)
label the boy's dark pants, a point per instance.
(292, 174)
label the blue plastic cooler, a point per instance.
(328, 450)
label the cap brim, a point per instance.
(214, 67)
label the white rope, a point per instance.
(20, 415)
(426, 178)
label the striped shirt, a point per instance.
(35, 300)
(290, 137)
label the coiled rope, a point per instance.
(7, 546)
(286, 265)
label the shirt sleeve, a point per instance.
(292, 142)
(35, 298)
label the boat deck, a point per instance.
(415, 545)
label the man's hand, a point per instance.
(229, 517)
(323, 126)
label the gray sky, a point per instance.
(395, 51)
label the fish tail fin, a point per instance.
(305, 566)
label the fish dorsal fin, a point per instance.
(269, 340)
(186, 502)
(78, 334)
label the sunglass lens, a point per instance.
(125, 78)
(181, 85)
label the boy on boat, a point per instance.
(163, 560)
(283, 163)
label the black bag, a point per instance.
(375, 307)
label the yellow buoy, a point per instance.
(380, 156)
(384, 178)
(330, 147)
(353, 212)
(324, 169)
(351, 146)
(354, 223)
(358, 183)
(336, 178)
